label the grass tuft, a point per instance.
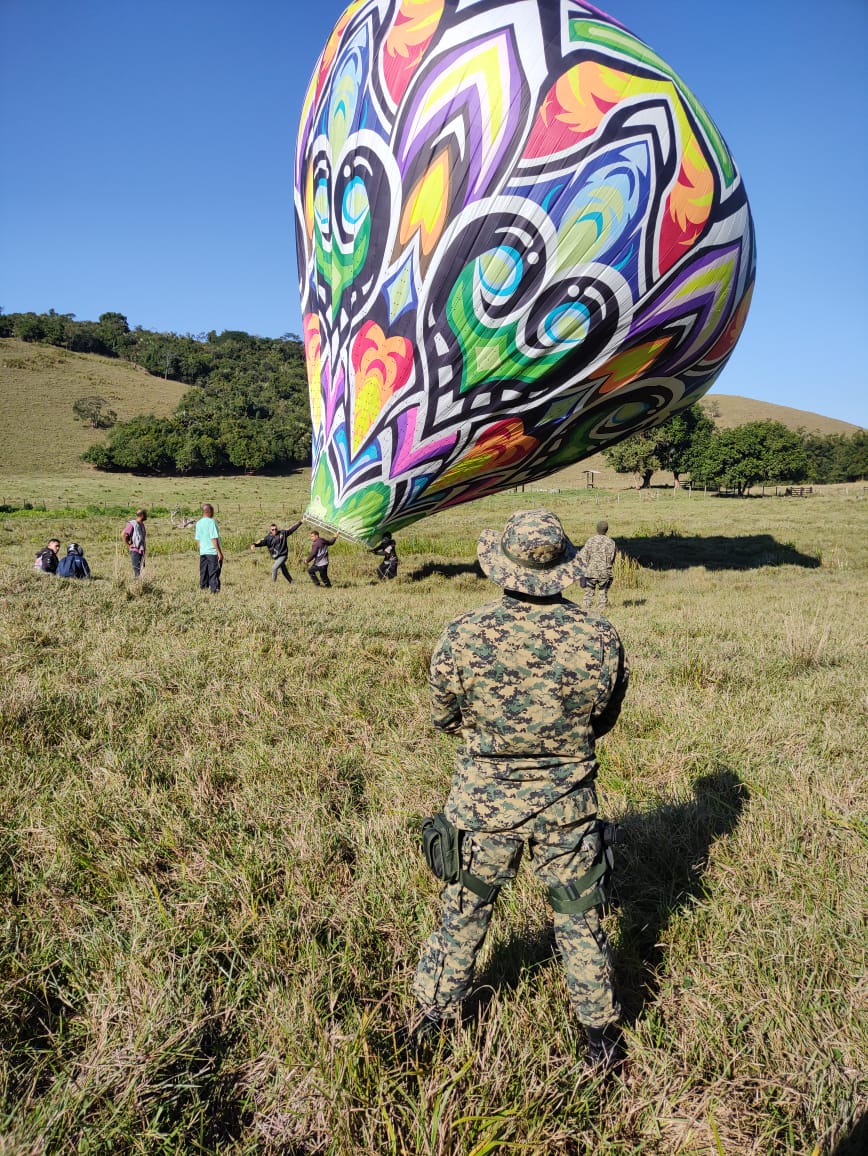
(806, 642)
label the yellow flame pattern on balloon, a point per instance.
(581, 99)
(382, 365)
(427, 205)
(503, 443)
(415, 23)
(312, 356)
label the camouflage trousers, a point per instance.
(559, 855)
(601, 585)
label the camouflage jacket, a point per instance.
(597, 556)
(530, 684)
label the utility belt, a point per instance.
(441, 846)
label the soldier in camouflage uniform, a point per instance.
(529, 682)
(597, 557)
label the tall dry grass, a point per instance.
(213, 897)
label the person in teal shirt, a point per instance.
(210, 551)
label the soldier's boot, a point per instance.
(431, 1026)
(605, 1049)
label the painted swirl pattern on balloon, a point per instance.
(520, 239)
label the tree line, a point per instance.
(247, 409)
(690, 444)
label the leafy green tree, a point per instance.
(635, 455)
(28, 327)
(758, 451)
(145, 445)
(835, 457)
(95, 411)
(855, 456)
(667, 446)
(113, 329)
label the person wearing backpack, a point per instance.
(46, 559)
(74, 565)
(134, 537)
(278, 548)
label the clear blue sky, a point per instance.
(146, 157)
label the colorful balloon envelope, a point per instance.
(520, 239)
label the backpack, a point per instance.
(73, 566)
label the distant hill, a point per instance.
(729, 411)
(40, 435)
(39, 383)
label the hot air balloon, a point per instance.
(520, 238)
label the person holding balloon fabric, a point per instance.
(318, 559)
(387, 549)
(278, 548)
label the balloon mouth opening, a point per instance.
(333, 528)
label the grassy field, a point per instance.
(212, 891)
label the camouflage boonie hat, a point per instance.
(533, 555)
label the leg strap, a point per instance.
(486, 891)
(576, 898)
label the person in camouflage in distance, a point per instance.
(597, 558)
(530, 683)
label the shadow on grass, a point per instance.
(746, 552)
(443, 570)
(855, 1143)
(663, 868)
(658, 872)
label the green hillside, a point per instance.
(39, 435)
(38, 384)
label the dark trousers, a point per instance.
(209, 573)
(319, 575)
(138, 561)
(388, 568)
(278, 566)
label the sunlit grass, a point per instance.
(213, 897)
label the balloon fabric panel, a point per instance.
(520, 239)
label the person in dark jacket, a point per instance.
(318, 558)
(46, 559)
(388, 568)
(278, 547)
(74, 565)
